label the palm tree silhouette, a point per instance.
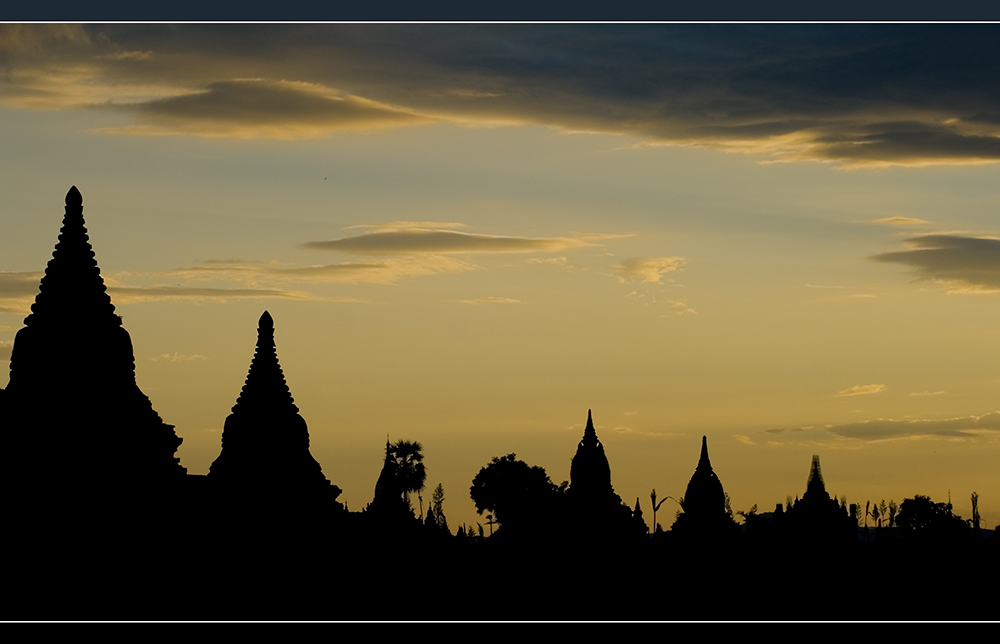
(409, 468)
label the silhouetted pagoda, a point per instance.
(818, 516)
(265, 442)
(74, 415)
(589, 472)
(704, 508)
(591, 494)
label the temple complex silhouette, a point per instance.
(95, 495)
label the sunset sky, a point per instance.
(784, 237)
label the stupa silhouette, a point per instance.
(591, 494)
(704, 508)
(265, 442)
(73, 412)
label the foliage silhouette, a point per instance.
(515, 492)
(408, 467)
(923, 519)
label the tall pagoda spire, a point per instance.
(72, 400)
(265, 441)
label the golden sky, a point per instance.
(784, 237)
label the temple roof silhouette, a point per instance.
(72, 389)
(264, 440)
(589, 472)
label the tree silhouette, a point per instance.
(408, 467)
(437, 507)
(920, 517)
(512, 490)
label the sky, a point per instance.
(784, 237)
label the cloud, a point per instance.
(178, 357)
(262, 108)
(859, 390)
(899, 221)
(966, 426)
(6, 346)
(420, 240)
(635, 432)
(18, 291)
(140, 294)
(648, 269)
(927, 393)
(965, 264)
(854, 95)
(490, 300)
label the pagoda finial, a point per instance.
(266, 322)
(703, 461)
(73, 198)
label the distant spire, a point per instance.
(815, 485)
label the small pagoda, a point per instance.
(265, 442)
(589, 472)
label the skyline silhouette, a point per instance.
(781, 238)
(275, 522)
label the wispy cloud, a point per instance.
(440, 241)
(878, 429)
(928, 393)
(178, 357)
(636, 432)
(6, 346)
(648, 269)
(900, 221)
(490, 300)
(965, 264)
(860, 390)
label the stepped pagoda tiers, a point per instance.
(265, 442)
(72, 410)
(589, 472)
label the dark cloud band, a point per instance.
(857, 94)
